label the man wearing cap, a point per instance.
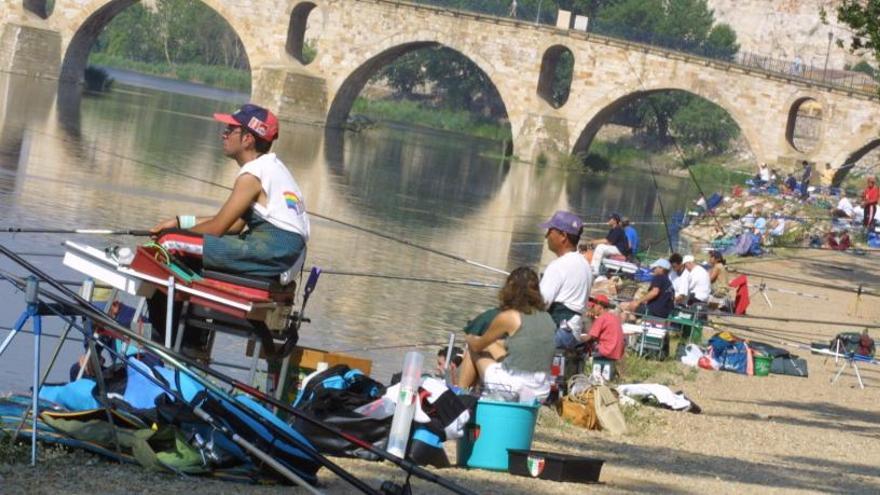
(614, 243)
(606, 332)
(699, 282)
(566, 282)
(263, 226)
(658, 302)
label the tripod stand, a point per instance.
(30, 312)
(849, 359)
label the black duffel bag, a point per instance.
(332, 397)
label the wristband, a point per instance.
(186, 221)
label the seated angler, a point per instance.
(606, 333)
(719, 277)
(520, 333)
(699, 281)
(614, 243)
(679, 277)
(632, 237)
(261, 229)
(659, 301)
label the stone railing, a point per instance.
(500, 11)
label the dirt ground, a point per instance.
(756, 434)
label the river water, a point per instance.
(103, 162)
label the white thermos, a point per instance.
(406, 403)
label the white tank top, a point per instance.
(285, 207)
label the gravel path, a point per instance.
(785, 434)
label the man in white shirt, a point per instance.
(844, 207)
(679, 278)
(566, 282)
(699, 283)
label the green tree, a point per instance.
(177, 31)
(721, 42)
(704, 126)
(863, 16)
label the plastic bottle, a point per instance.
(555, 377)
(406, 403)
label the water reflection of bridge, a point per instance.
(64, 165)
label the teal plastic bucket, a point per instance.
(496, 427)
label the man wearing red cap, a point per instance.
(606, 331)
(263, 226)
(260, 230)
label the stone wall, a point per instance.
(787, 29)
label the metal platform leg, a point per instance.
(178, 340)
(88, 291)
(258, 347)
(282, 377)
(169, 313)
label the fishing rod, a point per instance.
(799, 345)
(204, 415)
(89, 337)
(312, 213)
(662, 210)
(409, 243)
(209, 386)
(184, 363)
(762, 287)
(794, 320)
(19, 230)
(678, 150)
(860, 290)
(386, 347)
(465, 283)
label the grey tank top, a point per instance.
(531, 348)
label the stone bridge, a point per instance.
(356, 38)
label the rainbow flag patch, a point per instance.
(293, 201)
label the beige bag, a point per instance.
(608, 411)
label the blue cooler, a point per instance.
(497, 427)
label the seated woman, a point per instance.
(719, 278)
(516, 352)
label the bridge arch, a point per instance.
(94, 16)
(589, 126)
(548, 79)
(382, 54)
(41, 8)
(851, 160)
(805, 123)
(296, 31)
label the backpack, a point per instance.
(332, 397)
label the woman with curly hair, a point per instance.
(516, 352)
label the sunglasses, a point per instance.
(230, 129)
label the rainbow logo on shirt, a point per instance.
(293, 201)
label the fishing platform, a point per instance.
(261, 309)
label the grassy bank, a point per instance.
(211, 75)
(414, 113)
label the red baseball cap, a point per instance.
(601, 299)
(254, 118)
